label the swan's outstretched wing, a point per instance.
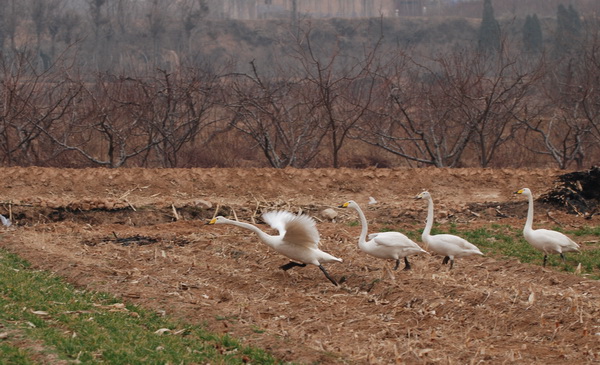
(278, 220)
(296, 229)
(302, 230)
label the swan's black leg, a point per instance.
(397, 264)
(445, 260)
(291, 264)
(545, 258)
(327, 275)
(562, 256)
(451, 264)
(406, 264)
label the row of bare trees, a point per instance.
(316, 109)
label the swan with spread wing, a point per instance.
(298, 239)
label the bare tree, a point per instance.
(564, 143)
(101, 128)
(32, 104)
(279, 116)
(342, 87)
(414, 117)
(488, 94)
(179, 108)
(568, 125)
(588, 90)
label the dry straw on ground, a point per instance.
(486, 309)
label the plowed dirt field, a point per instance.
(141, 235)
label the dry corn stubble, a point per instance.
(485, 309)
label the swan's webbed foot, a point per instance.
(291, 264)
(327, 275)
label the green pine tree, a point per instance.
(574, 21)
(568, 30)
(532, 34)
(489, 31)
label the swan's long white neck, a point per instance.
(266, 238)
(429, 222)
(363, 221)
(529, 222)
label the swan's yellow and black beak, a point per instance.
(212, 221)
(345, 205)
(520, 191)
(419, 196)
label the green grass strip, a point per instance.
(42, 318)
(503, 240)
(506, 241)
(10, 354)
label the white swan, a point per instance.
(5, 221)
(545, 240)
(449, 245)
(298, 239)
(384, 245)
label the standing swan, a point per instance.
(298, 239)
(449, 245)
(384, 245)
(545, 240)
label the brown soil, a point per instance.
(140, 234)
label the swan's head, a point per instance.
(423, 195)
(217, 220)
(524, 191)
(349, 204)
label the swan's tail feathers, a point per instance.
(333, 259)
(574, 247)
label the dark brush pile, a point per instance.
(578, 192)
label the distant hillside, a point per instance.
(125, 37)
(272, 9)
(265, 40)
